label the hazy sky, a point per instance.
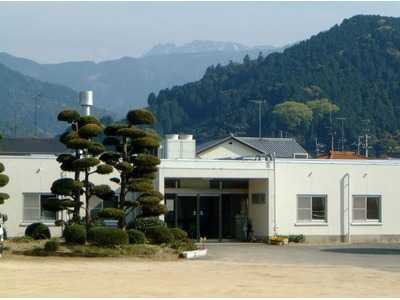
(65, 31)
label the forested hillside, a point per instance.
(20, 94)
(356, 65)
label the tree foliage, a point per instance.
(4, 179)
(134, 156)
(293, 114)
(83, 161)
(355, 65)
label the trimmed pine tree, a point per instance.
(134, 156)
(4, 179)
(83, 162)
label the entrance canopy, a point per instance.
(216, 199)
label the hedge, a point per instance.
(107, 236)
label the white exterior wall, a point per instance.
(35, 174)
(228, 149)
(305, 176)
(331, 178)
(258, 213)
(32, 174)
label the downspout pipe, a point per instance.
(348, 208)
(273, 159)
(275, 214)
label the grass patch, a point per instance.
(36, 248)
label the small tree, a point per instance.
(3, 182)
(83, 160)
(135, 157)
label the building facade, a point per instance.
(215, 190)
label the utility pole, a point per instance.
(15, 124)
(331, 131)
(316, 147)
(342, 129)
(366, 136)
(259, 102)
(36, 102)
(358, 145)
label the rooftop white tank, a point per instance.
(86, 101)
(179, 146)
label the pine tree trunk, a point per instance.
(123, 191)
(77, 196)
(87, 198)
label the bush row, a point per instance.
(147, 229)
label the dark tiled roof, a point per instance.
(282, 147)
(26, 146)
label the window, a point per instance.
(366, 208)
(235, 184)
(311, 208)
(34, 204)
(258, 198)
(171, 183)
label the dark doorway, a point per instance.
(208, 214)
(187, 215)
(231, 207)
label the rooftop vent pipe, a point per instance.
(86, 101)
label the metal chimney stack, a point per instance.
(86, 101)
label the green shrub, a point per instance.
(38, 231)
(143, 224)
(136, 236)
(296, 238)
(75, 234)
(179, 234)
(107, 236)
(52, 245)
(159, 235)
(111, 213)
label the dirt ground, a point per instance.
(121, 277)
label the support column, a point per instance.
(220, 212)
(198, 216)
(176, 210)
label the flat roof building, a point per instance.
(213, 190)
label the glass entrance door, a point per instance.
(187, 214)
(209, 216)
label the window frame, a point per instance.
(366, 220)
(311, 220)
(38, 198)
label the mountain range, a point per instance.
(356, 65)
(29, 107)
(125, 83)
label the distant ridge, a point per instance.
(125, 83)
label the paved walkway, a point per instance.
(376, 256)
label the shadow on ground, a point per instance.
(371, 251)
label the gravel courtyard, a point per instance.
(230, 270)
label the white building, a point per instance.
(212, 190)
(32, 168)
(285, 193)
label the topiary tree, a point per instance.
(134, 156)
(3, 182)
(83, 162)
